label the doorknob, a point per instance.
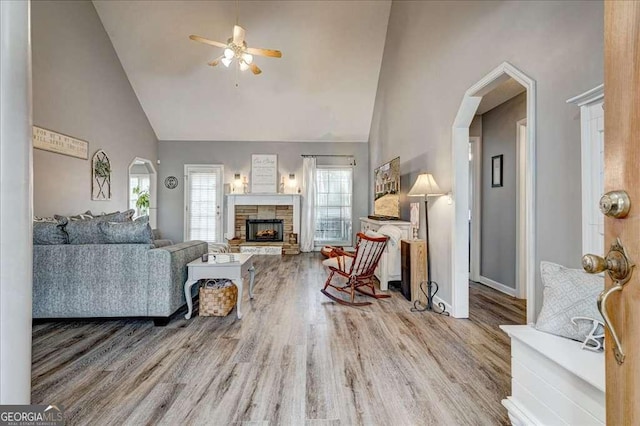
(620, 268)
(615, 204)
(616, 263)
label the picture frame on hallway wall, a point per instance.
(264, 173)
(496, 171)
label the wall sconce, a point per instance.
(292, 182)
(237, 182)
(245, 184)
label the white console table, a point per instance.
(553, 380)
(385, 270)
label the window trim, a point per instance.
(202, 167)
(345, 243)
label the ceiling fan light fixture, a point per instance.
(247, 57)
(226, 62)
(228, 53)
(243, 65)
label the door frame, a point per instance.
(187, 168)
(521, 209)
(591, 193)
(476, 206)
(460, 185)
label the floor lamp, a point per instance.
(426, 186)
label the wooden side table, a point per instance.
(414, 268)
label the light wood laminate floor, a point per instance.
(295, 358)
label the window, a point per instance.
(203, 203)
(138, 184)
(334, 205)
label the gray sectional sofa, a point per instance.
(109, 279)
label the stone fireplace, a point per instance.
(250, 213)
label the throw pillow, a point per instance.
(87, 231)
(49, 233)
(80, 216)
(568, 293)
(136, 232)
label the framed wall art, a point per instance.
(48, 140)
(496, 171)
(100, 176)
(264, 173)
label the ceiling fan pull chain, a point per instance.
(237, 73)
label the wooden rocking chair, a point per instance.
(358, 268)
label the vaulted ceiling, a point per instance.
(322, 89)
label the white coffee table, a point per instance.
(234, 271)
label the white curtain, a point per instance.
(308, 220)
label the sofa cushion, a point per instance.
(568, 293)
(162, 243)
(136, 232)
(49, 232)
(87, 231)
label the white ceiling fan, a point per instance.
(236, 48)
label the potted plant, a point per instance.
(142, 203)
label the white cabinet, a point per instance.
(553, 380)
(389, 266)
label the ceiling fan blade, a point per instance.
(254, 68)
(207, 41)
(264, 52)
(216, 61)
(238, 35)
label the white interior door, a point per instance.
(203, 202)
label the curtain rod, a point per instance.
(352, 163)
(325, 155)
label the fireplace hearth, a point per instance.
(265, 230)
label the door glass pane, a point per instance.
(203, 204)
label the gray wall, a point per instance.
(236, 158)
(436, 50)
(80, 89)
(498, 216)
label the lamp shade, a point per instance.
(425, 186)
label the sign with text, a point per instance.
(49, 140)
(31, 415)
(264, 173)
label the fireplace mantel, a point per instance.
(234, 200)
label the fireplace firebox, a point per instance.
(265, 230)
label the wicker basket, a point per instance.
(218, 301)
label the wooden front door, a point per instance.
(622, 172)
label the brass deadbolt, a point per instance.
(615, 204)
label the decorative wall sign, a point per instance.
(264, 173)
(100, 176)
(49, 140)
(496, 171)
(595, 339)
(171, 182)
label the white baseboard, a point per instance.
(497, 286)
(437, 300)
